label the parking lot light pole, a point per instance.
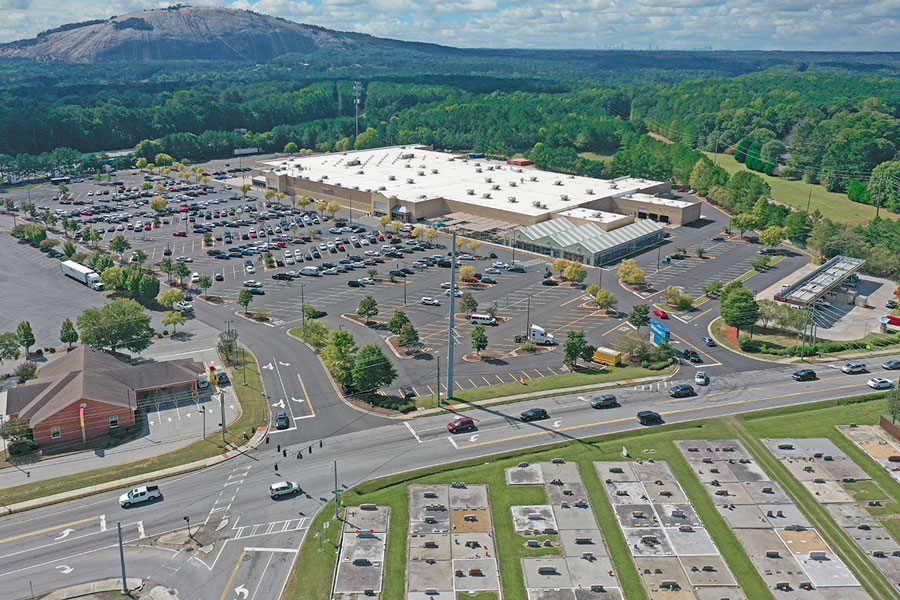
(302, 304)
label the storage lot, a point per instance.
(360, 568)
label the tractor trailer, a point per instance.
(82, 274)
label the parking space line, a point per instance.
(498, 378)
(474, 385)
(431, 391)
(552, 371)
(461, 388)
(485, 380)
(526, 375)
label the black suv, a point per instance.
(648, 417)
(804, 375)
(281, 277)
(692, 355)
(681, 390)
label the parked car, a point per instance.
(604, 401)
(534, 414)
(648, 417)
(692, 355)
(804, 375)
(284, 488)
(854, 367)
(681, 390)
(252, 283)
(457, 292)
(140, 494)
(461, 424)
(879, 383)
(429, 301)
(891, 304)
(550, 282)
(222, 378)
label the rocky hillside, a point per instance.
(182, 32)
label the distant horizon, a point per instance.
(576, 25)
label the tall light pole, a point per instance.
(357, 88)
(451, 333)
(302, 304)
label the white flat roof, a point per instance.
(656, 200)
(589, 214)
(414, 175)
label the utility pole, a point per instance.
(122, 559)
(302, 303)
(808, 200)
(336, 492)
(528, 317)
(880, 187)
(451, 332)
(438, 393)
(202, 411)
(222, 411)
(357, 88)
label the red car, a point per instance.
(461, 424)
(661, 314)
(179, 233)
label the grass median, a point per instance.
(254, 413)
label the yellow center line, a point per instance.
(694, 347)
(40, 531)
(234, 573)
(701, 314)
(306, 395)
(671, 412)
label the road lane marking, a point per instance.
(306, 395)
(582, 296)
(611, 330)
(40, 531)
(697, 349)
(412, 431)
(485, 380)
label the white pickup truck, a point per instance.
(140, 494)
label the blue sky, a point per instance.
(593, 24)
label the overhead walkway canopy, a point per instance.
(821, 281)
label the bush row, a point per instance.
(824, 347)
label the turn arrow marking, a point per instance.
(269, 367)
(297, 399)
(63, 534)
(279, 404)
(242, 591)
(557, 423)
(472, 438)
(284, 364)
(64, 569)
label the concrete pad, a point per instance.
(470, 519)
(355, 547)
(628, 492)
(654, 571)
(555, 579)
(606, 594)
(829, 572)
(696, 542)
(652, 470)
(356, 578)
(480, 545)
(439, 595)
(746, 469)
(730, 493)
(842, 468)
(719, 593)
(591, 541)
(827, 491)
(804, 470)
(766, 492)
(570, 492)
(565, 472)
(530, 475)
(790, 515)
(803, 542)
(429, 546)
(696, 449)
(574, 517)
(421, 576)
(368, 519)
(843, 593)
(707, 571)
(784, 567)
(488, 580)
(850, 516)
(563, 594)
(615, 471)
(470, 496)
(635, 538)
(587, 572)
(675, 515)
(743, 516)
(424, 495)
(713, 471)
(535, 517)
(421, 527)
(729, 449)
(666, 492)
(792, 448)
(636, 515)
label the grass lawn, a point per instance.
(863, 491)
(583, 377)
(477, 596)
(312, 574)
(254, 413)
(595, 156)
(796, 193)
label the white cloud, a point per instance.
(720, 24)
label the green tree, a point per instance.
(339, 355)
(773, 235)
(119, 245)
(560, 265)
(664, 351)
(113, 278)
(368, 139)
(118, 324)
(167, 266)
(25, 371)
(68, 334)
(314, 332)
(797, 226)
(743, 222)
(148, 286)
(768, 309)
(170, 297)
(141, 163)
(398, 320)
(68, 249)
(700, 251)
(182, 271)
(372, 370)
(290, 147)
(467, 272)
(575, 272)
(207, 239)
(139, 257)
(576, 347)
(467, 303)
(245, 297)
(9, 346)
(159, 204)
(591, 290)
(408, 336)
(639, 316)
(712, 288)
(761, 263)
(26, 336)
(163, 160)
(245, 189)
(739, 309)
(204, 283)
(368, 308)
(605, 299)
(174, 318)
(479, 338)
(629, 272)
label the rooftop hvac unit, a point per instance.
(490, 168)
(478, 164)
(533, 178)
(355, 187)
(488, 179)
(392, 177)
(381, 188)
(513, 184)
(409, 180)
(421, 173)
(511, 199)
(571, 177)
(557, 182)
(518, 170)
(470, 192)
(407, 156)
(536, 204)
(496, 186)
(324, 176)
(564, 197)
(392, 197)
(421, 196)
(434, 171)
(360, 172)
(589, 191)
(408, 166)
(613, 186)
(486, 195)
(478, 169)
(421, 166)
(353, 163)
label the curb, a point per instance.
(92, 587)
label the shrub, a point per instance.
(165, 332)
(529, 346)
(39, 351)
(20, 447)
(52, 350)
(658, 365)
(26, 371)
(749, 345)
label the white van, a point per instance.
(483, 319)
(312, 271)
(195, 277)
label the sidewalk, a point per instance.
(137, 479)
(94, 587)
